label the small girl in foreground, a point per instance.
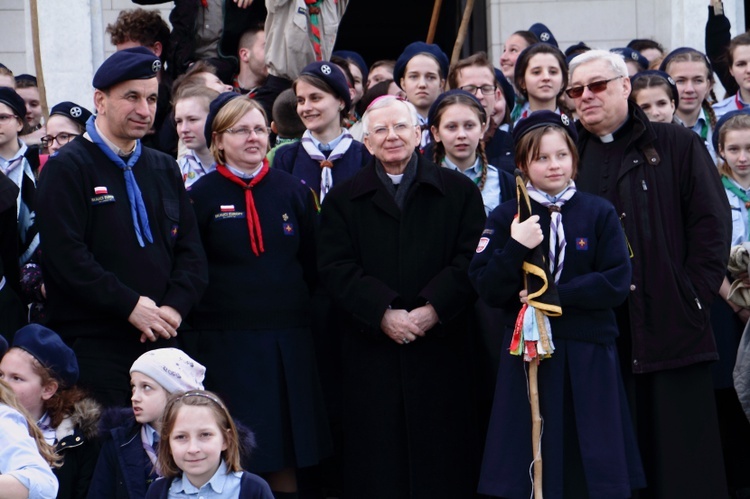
(588, 445)
(202, 455)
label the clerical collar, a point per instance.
(611, 137)
(396, 179)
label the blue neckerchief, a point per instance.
(137, 206)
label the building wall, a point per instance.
(73, 42)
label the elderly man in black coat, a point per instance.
(677, 223)
(395, 245)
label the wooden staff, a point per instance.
(462, 29)
(434, 20)
(536, 427)
(38, 59)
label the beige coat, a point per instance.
(288, 46)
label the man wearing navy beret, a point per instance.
(123, 262)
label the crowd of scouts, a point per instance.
(334, 250)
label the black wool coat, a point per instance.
(407, 409)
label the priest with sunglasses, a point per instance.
(677, 224)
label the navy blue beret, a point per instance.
(356, 59)
(10, 98)
(213, 110)
(544, 34)
(414, 49)
(683, 50)
(26, 77)
(3, 346)
(137, 63)
(722, 121)
(631, 55)
(661, 74)
(539, 119)
(576, 49)
(456, 91)
(71, 110)
(49, 349)
(333, 76)
(506, 87)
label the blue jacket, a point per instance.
(251, 487)
(123, 470)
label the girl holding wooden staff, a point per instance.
(584, 433)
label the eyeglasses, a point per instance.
(4, 118)
(596, 87)
(244, 132)
(381, 132)
(485, 89)
(61, 138)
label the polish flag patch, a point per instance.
(226, 208)
(483, 242)
(100, 191)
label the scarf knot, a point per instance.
(135, 197)
(326, 164)
(253, 220)
(557, 241)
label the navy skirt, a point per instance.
(269, 380)
(587, 435)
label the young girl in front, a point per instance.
(655, 92)
(587, 444)
(201, 452)
(43, 372)
(541, 76)
(457, 121)
(327, 154)
(190, 110)
(127, 462)
(738, 58)
(25, 458)
(693, 75)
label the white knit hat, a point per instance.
(172, 368)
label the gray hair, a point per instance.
(616, 62)
(387, 101)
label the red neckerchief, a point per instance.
(253, 221)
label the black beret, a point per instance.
(414, 49)
(10, 98)
(333, 76)
(539, 119)
(26, 77)
(665, 62)
(506, 87)
(441, 97)
(50, 350)
(71, 110)
(213, 110)
(629, 54)
(356, 59)
(137, 63)
(3, 346)
(576, 49)
(544, 34)
(661, 74)
(722, 121)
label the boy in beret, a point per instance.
(124, 262)
(15, 165)
(127, 463)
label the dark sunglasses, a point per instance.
(596, 87)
